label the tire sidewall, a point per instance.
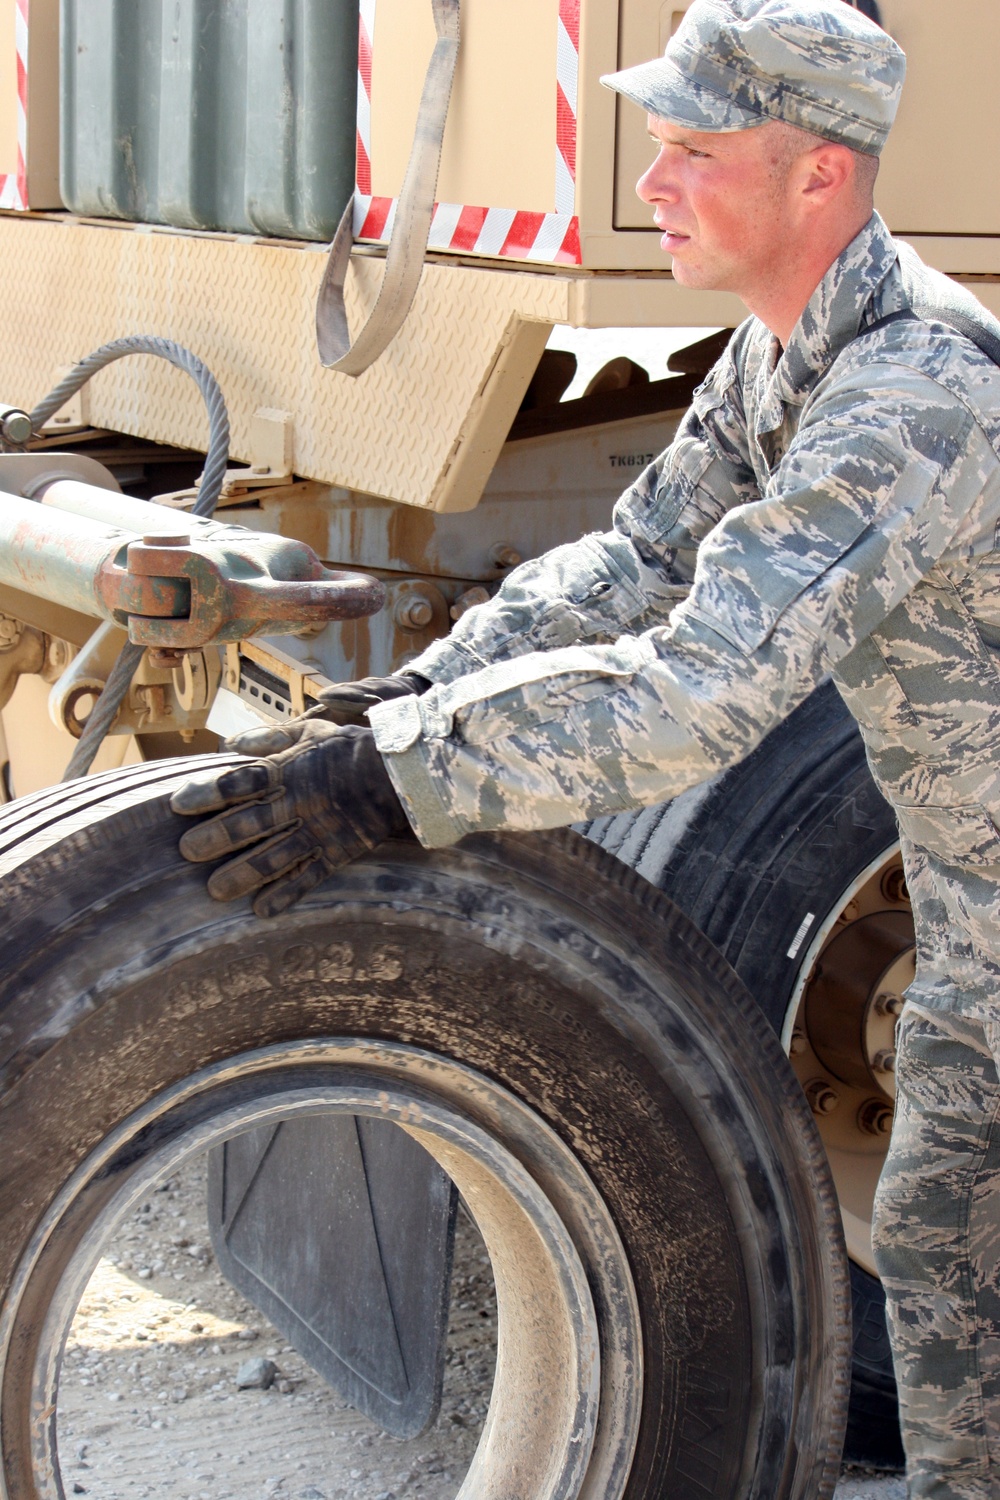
(478, 957)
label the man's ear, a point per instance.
(826, 171)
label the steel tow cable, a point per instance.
(105, 710)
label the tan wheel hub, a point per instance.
(855, 996)
(842, 1043)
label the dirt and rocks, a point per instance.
(865, 1484)
(150, 1400)
(155, 1399)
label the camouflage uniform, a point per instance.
(835, 510)
(937, 1239)
(829, 509)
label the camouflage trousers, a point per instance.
(936, 1235)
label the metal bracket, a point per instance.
(272, 447)
(22, 653)
(74, 414)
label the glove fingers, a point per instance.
(264, 862)
(348, 713)
(201, 794)
(289, 888)
(349, 702)
(267, 740)
(238, 826)
(212, 791)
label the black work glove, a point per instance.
(321, 798)
(348, 702)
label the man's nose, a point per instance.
(657, 184)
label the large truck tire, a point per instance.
(622, 1124)
(790, 864)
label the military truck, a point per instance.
(667, 1145)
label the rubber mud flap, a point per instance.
(673, 1303)
(341, 1232)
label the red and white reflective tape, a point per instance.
(14, 185)
(366, 30)
(502, 232)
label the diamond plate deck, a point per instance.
(423, 426)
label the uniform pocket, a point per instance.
(961, 847)
(651, 510)
(576, 592)
(653, 506)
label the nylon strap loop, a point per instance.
(411, 229)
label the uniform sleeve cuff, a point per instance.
(398, 738)
(446, 659)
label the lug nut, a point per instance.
(875, 1117)
(888, 1004)
(798, 1044)
(884, 1061)
(504, 556)
(414, 613)
(469, 600)
(894, 886)
(823, 1100)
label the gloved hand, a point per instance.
(348, 702)
(319, 799)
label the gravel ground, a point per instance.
(863, 1484)
(149, 1405)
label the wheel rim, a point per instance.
(564, 1411)
(839, 1033)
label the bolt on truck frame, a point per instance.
(479, 1020)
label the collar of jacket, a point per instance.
(846, 300)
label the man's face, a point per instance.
(724, 202)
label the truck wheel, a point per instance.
(790, 864)
(620, 1122)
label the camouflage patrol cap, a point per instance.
(734, 64)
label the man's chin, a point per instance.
(685, 273)
(695, 277)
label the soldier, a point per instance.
(830, 505)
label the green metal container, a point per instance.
(210, 114)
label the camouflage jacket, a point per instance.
(834, 508)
